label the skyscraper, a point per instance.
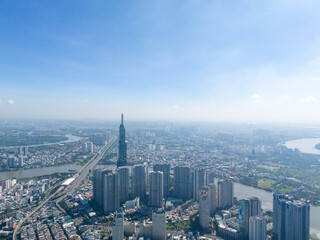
(98, 185)
(139, 181)
(118, 227)
(20, 160)
(165, 168)
(257, 228)
(182, 182)
(247, 208)
(11, 161)
(204, 207)
(156, 189)
(84, 148)
(276, 213)
(213, 198)
(159, 225)
(225, 194)
(209, 178)
(111, 192)
(291, 218)
(90, 147)
(123, 175)
(87, 147)
(198, 182)
(122, 158)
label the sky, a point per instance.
(209, 60)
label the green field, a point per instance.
(266, 184)
(12, 141)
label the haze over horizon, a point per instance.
(235, 61)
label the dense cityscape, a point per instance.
(159, 182)
(159, 120)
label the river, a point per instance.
(71, 138)
(305, 145)
(35, 172)
(243, 191)
(240, 190)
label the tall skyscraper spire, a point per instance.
(122, 158)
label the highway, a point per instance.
(84, 171)
(79, 177)
(16, 230)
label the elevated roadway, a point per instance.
(66, 191)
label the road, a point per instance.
(84, 171)
(16, 230)
(79, 177)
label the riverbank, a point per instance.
(17, 141)
(63, 139)
(35, 172)
(287, 185)
(242, 191)
(305, 145)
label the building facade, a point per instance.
(159, 225)
(257, 228)
(182, 182)
(118, 226)
(98, 185)
(291, 218)
(209, 177)
(139, 181)
(247, 208)
(111, 201)
(225, 194)
(213, 198)
(124, 183)
(165, 168)
(156, 189)
(204, 207)
(198, 182)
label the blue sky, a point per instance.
(252, 61)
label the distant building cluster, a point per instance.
(34, 157)
(157, 194)
(7, 184)
(14, 195)
(144, 230)
(87, 148)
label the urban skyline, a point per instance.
(178, 181)
(221, 139)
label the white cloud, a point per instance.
(308, 99)
(316, 79)
(11, 102)
(175, 106)
(285, 97)
(256, 97)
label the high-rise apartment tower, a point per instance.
(247, 208)
(165, 168)
(156, 189)
(291, 218)
(225, 194)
